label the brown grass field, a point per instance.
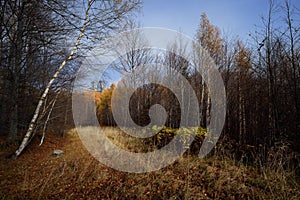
(77, 175)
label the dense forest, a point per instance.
(42, 43)
(261, 81)
(42, 47)
(261, 77)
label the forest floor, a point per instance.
(37, 174)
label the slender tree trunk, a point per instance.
(32, 124)
(295, 68)
(202, 102)
(208, 99)
(48, 117)
(244, 120)
(241, 133)
(270, 76)
(16, 56)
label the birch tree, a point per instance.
(209, 38)
(100, 19)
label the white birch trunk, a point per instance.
(208, 98)
(48, 117)
(202, 102)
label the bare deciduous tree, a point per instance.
(100, 19)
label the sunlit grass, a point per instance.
(37, 174)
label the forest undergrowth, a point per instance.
(76, 174)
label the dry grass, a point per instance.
(38, 175)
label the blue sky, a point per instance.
(236, 17)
